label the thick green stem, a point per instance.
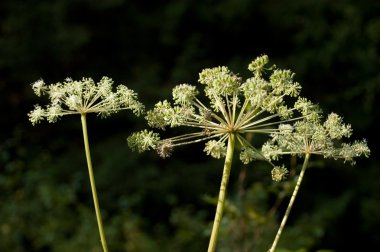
(222, 193)
(92, 182)
(291, 202)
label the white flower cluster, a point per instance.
(254, 106)
(312, 136)
(215, 149)
(82, 97)
(279, 173)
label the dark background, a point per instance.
(149, 204)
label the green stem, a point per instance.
(92, 182)
(222, 193)
(291, 202)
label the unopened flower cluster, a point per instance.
(82, 97)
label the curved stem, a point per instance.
(291, 202)
(222, 193)
(92, 182)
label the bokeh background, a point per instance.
(150, 204)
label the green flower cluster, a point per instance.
(81, 97)
(256, 106)
(312, 136)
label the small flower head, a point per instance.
(283, 80)
(81, 97)
(219, 80)
(39, 87)
(336, 128)
(248, 154)
(308, 109)
(271, 151)
(143, 140)
(161, 116)
(165, 149)
(279, 173)
(184, 94)
(215, 149)
(258, 65)
(37, 114)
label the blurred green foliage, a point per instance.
(167, 205)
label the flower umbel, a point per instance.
(255, 106)
(82, 97)
(314, 137)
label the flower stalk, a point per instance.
(73, 97)
(92, 182)
(290, 205)
(222, 193)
